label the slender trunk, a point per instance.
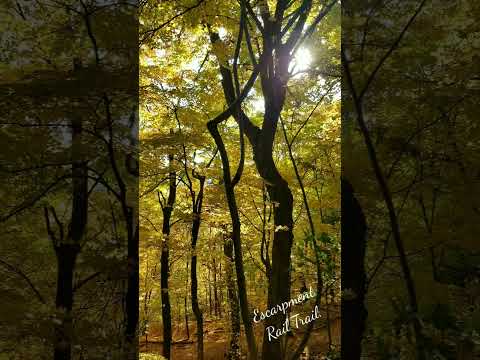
(167, 210)
(186, 317)
(329, 327)
(66, 257)
(178, 310)
(129, 210)
(236, 238)
(300, 349)
(67, 250)
(185, 304)
(165, 296)
(354, 313)
(233, 352)
(132, 295)
(220, 302)
(215, 288)
(194, 289)
(210, 303)
(393, 218)
(206, 298)
(197, 210)
(146, 311)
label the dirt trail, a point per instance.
(215, 343)
(215, 346)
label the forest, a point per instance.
(410, 180)
(249, 179)
(240, 179)
(69, 168)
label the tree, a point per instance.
(167, 209)
(67, 248)
(273, 68)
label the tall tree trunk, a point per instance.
(197, 210)
(215, 288)
(67, 249)
(207, 300)
(133, 282)
(273, 81)
(66, 257)
(210, 303)
(329, 326)
(273, 67)
(67, 252)
(186, 317)
(194, 289)
(220, 288)
(187, 329)
(237, 246)
(130, 215)
(146, 310)
(300, 349)
(233, 352)
(178, 310)
(167, 210)
(279, 280)
(354, 313)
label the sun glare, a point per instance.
(301, 61)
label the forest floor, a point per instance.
(216, 341)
